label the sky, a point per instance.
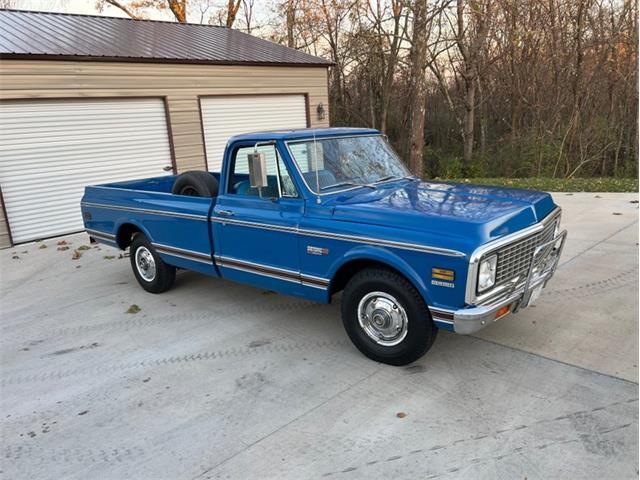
(88, 7)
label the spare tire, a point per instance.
(196, 183)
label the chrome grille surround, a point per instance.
(515, 252)
(514, 259)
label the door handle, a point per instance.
(226, 213)
(168, 168)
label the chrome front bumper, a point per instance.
(470, 320)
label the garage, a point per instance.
(108, 99)
(51, 149)
(225, 116)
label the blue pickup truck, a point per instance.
(316, 212)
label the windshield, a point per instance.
(346, 161)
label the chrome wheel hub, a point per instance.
(145, 264)
(382, 318)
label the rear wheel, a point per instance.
(152, 273)
(386, 318)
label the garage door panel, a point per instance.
(226, 116)
(51, 150)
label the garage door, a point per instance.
(223, 117)
(50, 150)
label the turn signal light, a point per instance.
(503, 311)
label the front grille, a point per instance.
(514, 260)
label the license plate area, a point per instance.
(534, 295)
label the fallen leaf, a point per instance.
(84, 247)
(109, 257)
(76, 255)
(25, 251)
(64, 247)
(597, 196)
(42, 246)
(84, 412)
(133, 309)
(401, 414)
(16, 257)
(633, 201)
(62, 242)
(617, 213)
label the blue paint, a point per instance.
(350, 225)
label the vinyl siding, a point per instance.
(180, 85)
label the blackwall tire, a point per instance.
(152, 273)
(196, 183)
(386, 318)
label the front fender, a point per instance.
(387, 257)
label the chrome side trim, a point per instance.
(273, 272)
(131, 190)
(264, 226)
(339, 236)
(478, 253)
(183, 253)
(98, 233)
(441, 315)
(189, 216)
(383, 243)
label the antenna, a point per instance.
(315, 166)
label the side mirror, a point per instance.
(257, 169)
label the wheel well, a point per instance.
(125, 234)
(349, 269)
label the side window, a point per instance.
(239, 179)
(286, 183)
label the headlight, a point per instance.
(487, 273)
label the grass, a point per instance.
(598, 184)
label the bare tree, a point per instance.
(125, 8)
(247, 10)
(232, 11)
(417, 86)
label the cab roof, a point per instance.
(302, 134)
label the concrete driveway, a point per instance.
(218, 380)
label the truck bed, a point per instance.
(177, 225)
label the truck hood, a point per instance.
(477, 212)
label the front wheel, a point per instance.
(386, 318)
(152, 273)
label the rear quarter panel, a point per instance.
(167, 220)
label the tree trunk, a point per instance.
(469, 121)
(232, 11)
(418, 87)
(291, 20)
(179, 9)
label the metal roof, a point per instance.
(25, 34)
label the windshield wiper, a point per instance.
(348, 184)
(384, 179)
(390, 177)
